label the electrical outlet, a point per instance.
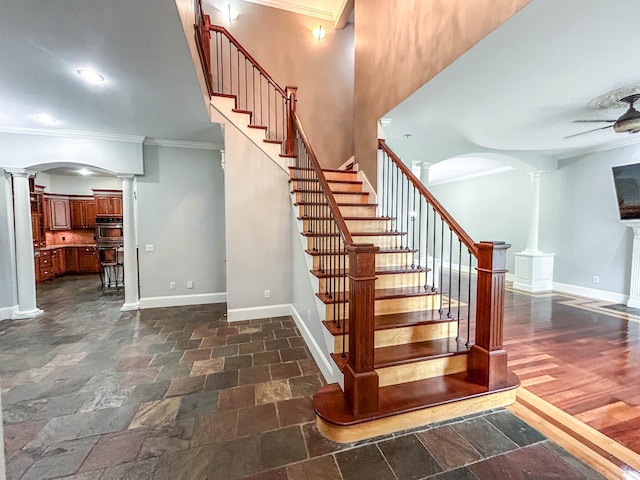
(172, 285)
(189, 283)
(596, 279)
(267, 294)
(149, 248)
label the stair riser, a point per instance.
(382, 260)
(382, 241)
(434, 367)
(383, 281)
(388, 306)
(311, 185)
(339, 197)
(403, 335)
(354, 226)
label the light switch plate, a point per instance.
(149, 248)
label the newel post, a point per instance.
(360, 377)
(488, 360)
(290, 141)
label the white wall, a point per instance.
(258, 229)
(21, 151)
(76, 185)
(8, 289)
(492, 207)
(180, 204)
(589, 238)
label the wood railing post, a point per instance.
(488, 360)
(290, 141)
(360, 377)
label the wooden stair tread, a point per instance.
(379, 271)
(382, 251)
(238, 110)
(335, 192)
(315, 180)
(268, 140)
(357, 234)
(340, 204)
(260, 127)
(394, 320)
(380, 294)
(312, 217)
(330, 405)
(410, 353)
(326, 170)
(224, 95)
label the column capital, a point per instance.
(20, 172)
(536, 173)
(126, 176)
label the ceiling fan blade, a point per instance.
(589, 131)
(594, 121)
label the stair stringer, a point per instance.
(224, 106)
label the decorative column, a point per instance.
(25, 264)
(634, 291)
(131, 299)
(534, 269)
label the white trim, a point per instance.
(509, 277)
(161, 142)
(8, 312)
(130, 307)
(318, 354)
(590, 293)
(18, 315)
(598, 148)
(182, 300)
(297, 8)
(251, 313)
(74, 133)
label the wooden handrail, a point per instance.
(437, 206)
(248, 56)
(333, 205)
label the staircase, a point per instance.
(415, 331)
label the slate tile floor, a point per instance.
(178, 393)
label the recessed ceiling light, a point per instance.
(46, 119)
(90, 76)
(84, 171)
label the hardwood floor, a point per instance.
(581, 356)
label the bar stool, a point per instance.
(111, 266)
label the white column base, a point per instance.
(35, 312)
(633, 303)
(634, 288)
(533, 272)
(128, 307)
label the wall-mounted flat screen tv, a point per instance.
(627, 181)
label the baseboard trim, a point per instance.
(252, 313)
(7, 312)
(182, 300)
(593, 293)
(324, 363)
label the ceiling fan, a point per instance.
(628, 122)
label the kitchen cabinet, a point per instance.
(83, 212)
(45, 266)
(71, 257)
(60, 217)
(88, 260)
(108, 203)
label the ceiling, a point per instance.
(519, 90)
(150, 87)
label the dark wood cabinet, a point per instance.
(60, 218)
(71, 257)
(83, 213)
(88, 260)
(108, 203)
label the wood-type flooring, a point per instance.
(580, 355)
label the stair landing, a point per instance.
(408, 405)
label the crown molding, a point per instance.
(74, 134)
(296, 7)
(161, 142)
(599, 148)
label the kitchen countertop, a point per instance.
(66, 245)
